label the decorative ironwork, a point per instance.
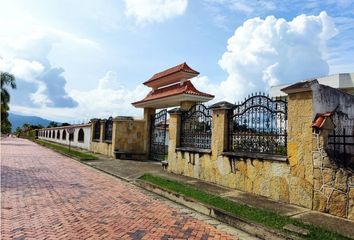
(97, 130)
(158, 143)
(108, 129)
(196, 127)
(341, 145)
(258, 125)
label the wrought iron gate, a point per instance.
(158, 140)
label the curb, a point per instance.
(248, 226)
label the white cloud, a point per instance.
(265, 52)
(149, 11)
(110, 98)
(27, 57)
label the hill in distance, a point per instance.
(18, 120)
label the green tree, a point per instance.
(7, 79)
(52, 124)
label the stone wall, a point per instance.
(127, 138)
(333, 181)
(263, 177)
(130, 135)
(306, 177)
(100, 145)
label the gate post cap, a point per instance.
(222, 105)
(175, 111)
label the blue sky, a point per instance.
(76, 60)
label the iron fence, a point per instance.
(196, 124)
(341, 145)
(258, 125)
(108, 129)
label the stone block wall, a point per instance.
(306, 177)
(130, 135)
(333, 184)
(127, 137)
(268, 178)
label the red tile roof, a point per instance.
(181, 67)
(320, 119)
(173, 90)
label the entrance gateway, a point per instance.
(170, 88)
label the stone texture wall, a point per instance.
(127, 137)
(263, 177)
(308, 178)
(333, 184)
(130, 135)
(299, 148)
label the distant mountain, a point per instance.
(18, 120)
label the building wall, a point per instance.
(87, 135)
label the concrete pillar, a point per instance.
(102, 123)
(299, 147)
(148, 112)
(219, 137)
(174, 132)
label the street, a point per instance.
(45, 195)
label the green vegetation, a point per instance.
(7, 79)
(261, 216)
(65, 150)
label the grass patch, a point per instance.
(65, 150)
(262, 216)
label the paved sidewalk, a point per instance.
(131, 170)
(45, 195)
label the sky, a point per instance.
(76, 60)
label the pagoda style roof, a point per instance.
(171, 75)
(173, 95)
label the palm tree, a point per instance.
(6, 79)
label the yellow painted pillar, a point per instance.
(219, 137)
(148, 112)
(299, 147)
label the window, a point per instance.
(108, 129)
(58, 134)
(81, 135)
(50, 134)
(64, 134)
(96, 130)
(53, 134)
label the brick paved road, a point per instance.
(45, 195)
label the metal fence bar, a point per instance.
(258, 125)
(196, 125)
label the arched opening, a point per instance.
(50, 134)
(58, 134)
(71, 136)
(64, 134)
(53, 134)
(81, 135)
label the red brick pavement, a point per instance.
(45, 195)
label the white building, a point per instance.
(80, 138)
(342, 81)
